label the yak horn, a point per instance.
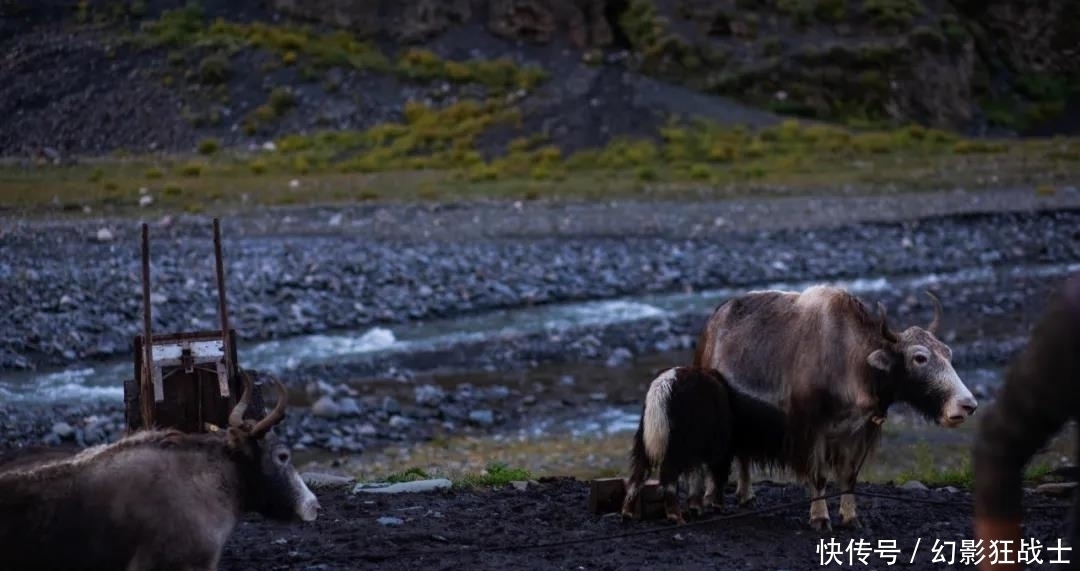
(932, 328)
(275, 416)
(885, 331)
(236, 417)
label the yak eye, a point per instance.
(920, 359)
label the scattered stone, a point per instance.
(146, 200)
(913, 485)
(429, 395)
(325, 407)
(403, 487)
(63, 430)
(388, 520)
(482, 417)
(949, 490)
(320, 480)
(1056, 488)
(398, 421)
(104, 235)
(620, 356)
(349, 407)
(519, 485)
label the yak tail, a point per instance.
(655, 427)
(760, 431)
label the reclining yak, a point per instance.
(835, 369)
(693, 418)
(157, 499)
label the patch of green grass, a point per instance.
(893, 14)
(191, 169)
(496, 474)
(439, 153)
(410, 475)
(927, 471)
(660, 51)
(187, 27)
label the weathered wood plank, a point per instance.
(606, 495)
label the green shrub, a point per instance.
(214, 69)
(191, 169)
(154, 174)
(257, 166)
(281, 100)
(209, 146)
(700, 171)
(893, 14)
(975, 146)
(830, 10)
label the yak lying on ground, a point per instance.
(693, 418)
(835, 369)
(157, 499)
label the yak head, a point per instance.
(918, 370)
(272, 486)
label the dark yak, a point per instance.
(835, 369)
(156, 499)
(693, 419)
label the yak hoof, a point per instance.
(627, 514)
(853, 523)
(747, 502)
(676, 518)
(821, 524)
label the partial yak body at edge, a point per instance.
(835, 369)
(157, 499)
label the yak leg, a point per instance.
(819, 509)
(697, 487)
(633, 488)
(712, 488)
(719, 472)
(669, 485)
(744, 491)
(847, 477)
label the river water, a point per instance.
(103, 380)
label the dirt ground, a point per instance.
(502, 528)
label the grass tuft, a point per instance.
(496, 474)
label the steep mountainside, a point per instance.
(97, 76)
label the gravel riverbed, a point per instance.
(71, 294)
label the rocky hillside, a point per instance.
(101, 76)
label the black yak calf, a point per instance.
(695, 424)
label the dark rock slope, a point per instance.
(80, 78)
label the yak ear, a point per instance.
(236, 438)
(880, 360)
